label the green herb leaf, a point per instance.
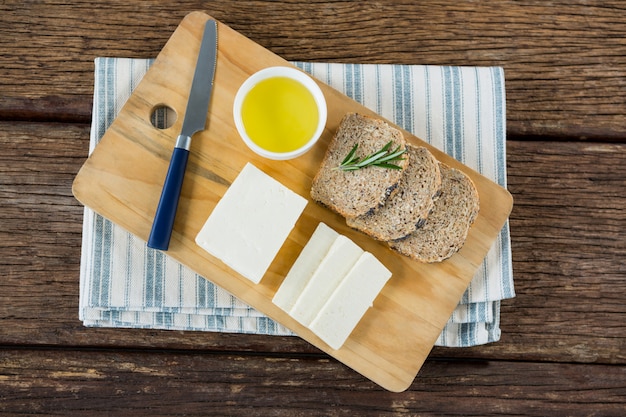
(383, 158)
(348, 157)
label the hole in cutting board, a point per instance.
(163, 116)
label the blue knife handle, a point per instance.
(168, 204)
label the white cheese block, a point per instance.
(340, 258)
(303, 268)
(350, 300)
(251, 222)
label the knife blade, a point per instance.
(193, 122)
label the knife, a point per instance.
(194, 121)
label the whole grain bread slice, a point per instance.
(354, 193)
(409, 207)
(446, 228)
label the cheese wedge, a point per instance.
(340, 258)
(350, 300)
(251, 222)
(304, 267)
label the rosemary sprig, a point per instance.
(383, 158)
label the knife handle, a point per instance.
(168, 204)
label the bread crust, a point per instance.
(447, 227)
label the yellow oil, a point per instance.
(279, 114)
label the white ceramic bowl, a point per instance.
(293, 74)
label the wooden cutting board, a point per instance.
(123, 177)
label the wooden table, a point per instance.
(563, 346)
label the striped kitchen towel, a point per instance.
(460, 110)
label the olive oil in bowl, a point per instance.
(280, 112)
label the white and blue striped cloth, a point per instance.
(460, 110)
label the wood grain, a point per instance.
(563, 60)
(563, 341)
(57, 382)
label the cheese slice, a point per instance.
(251, 222)
(341, 256)
(350, 300)
(305, 265)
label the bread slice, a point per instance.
(407, 209)
(354, 193)
(446, 228)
